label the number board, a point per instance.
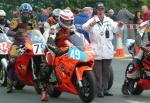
(37, 49)
(76, 54)
(4, 47)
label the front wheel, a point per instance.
(134, 88)
(88, 91)
(18, 85)
(53, 92)
(3, 76)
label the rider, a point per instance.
(133, 73)
(61, 31)
(18, 30)
(4, 23)
(58, 34)
(54, 18)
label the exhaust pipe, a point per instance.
(4, 62)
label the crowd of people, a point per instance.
(98, 27)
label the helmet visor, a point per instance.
(66, 22)
(25, 15)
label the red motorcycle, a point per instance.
(142, 82)
(27, 65)
(73, 73)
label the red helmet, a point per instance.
(66, 18)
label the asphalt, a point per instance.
(28, 95)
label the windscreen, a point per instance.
(3, 37)
(36, 36)
(78, 41)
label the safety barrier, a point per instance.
(132, 26)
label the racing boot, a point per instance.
(9, 85)
(44, 93)
(10, 72)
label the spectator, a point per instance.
(16, 13)
(100, 29)
(78, 9)
(82, 18)
(42, 19)
(146, 15)
(68, 8)
(137, 18)
(44, 15)
(113, 16)
(146, 12)
(49, 11)
(124, 15)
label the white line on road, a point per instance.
(132, 101)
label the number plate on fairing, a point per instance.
(38, 49)
(4, 47)
(76, 54)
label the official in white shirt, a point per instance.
(101, 29)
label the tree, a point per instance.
(133, 5)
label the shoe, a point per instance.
(100, 95)
(9, 90)
(44, 96)
(108, 94)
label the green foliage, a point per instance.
(133, 5)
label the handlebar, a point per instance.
(146, 49)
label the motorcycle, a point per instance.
(28, 63)
(73, 71)
(5, 44)
(142, 82)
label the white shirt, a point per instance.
(102, 46)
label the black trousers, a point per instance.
(102, 74)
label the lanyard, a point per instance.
(101, 27)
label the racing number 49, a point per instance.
(75, 54)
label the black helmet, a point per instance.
(100, 5)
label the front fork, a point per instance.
(33, 69)
(79, 73)
(4, 62)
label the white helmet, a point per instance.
(66, 18)
(2, 13)
(56, 12)
(130, 42)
